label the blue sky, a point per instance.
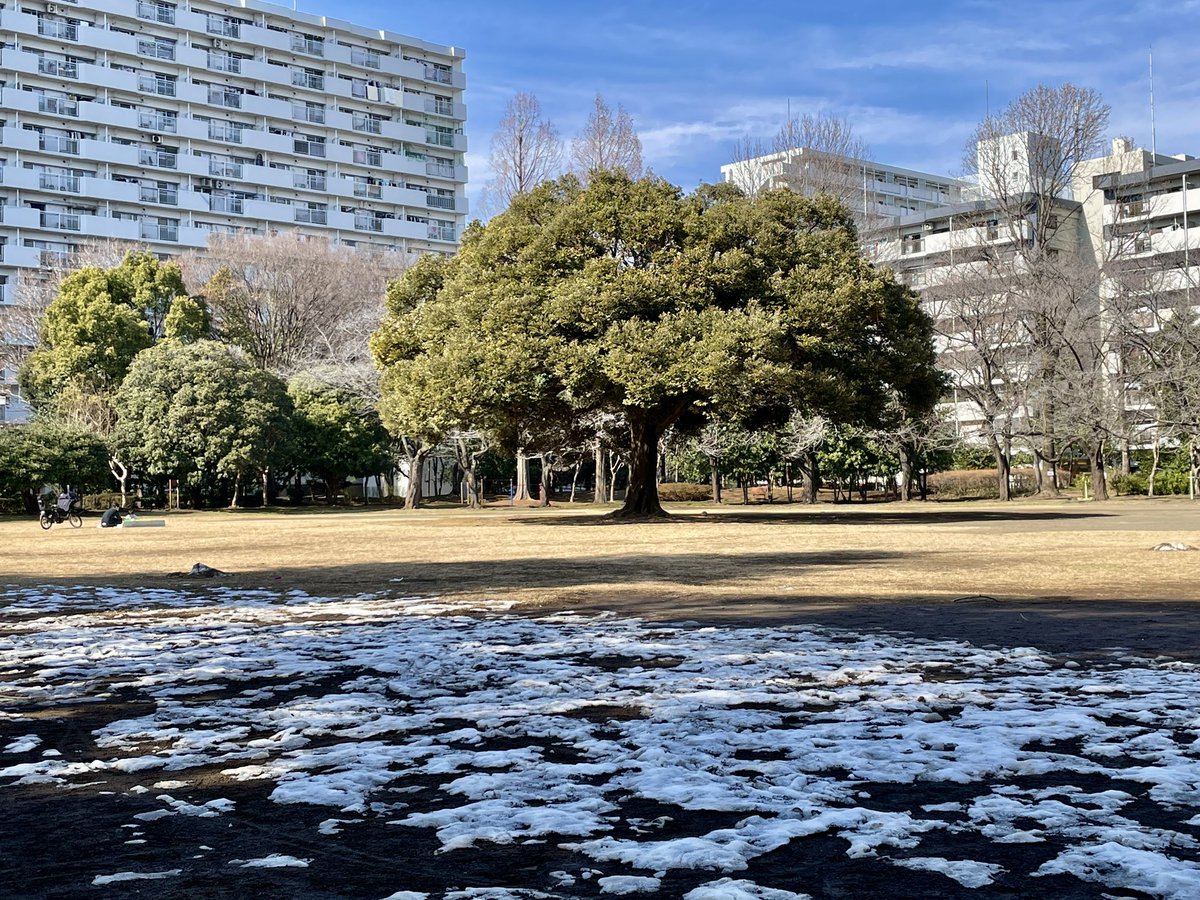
(912, 78)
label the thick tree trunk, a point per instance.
(237, 490)
(266, 487)
(522, 489)
(812, 476)
(1003, 468)
(1096, 465)
(906, 473)
(547, 482)
(416, 471)
(1047, 483)
(600, 494)
(641, 497)
(714, 475)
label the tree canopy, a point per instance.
(627, 297)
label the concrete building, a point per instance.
(162, 123)
(875, 192)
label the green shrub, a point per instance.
(978, 484)
(683, 491)
(1135, 483)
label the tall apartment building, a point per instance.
(162, 123)
(873, 191)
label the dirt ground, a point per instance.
(1066, 576)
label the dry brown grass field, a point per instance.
(703, 562)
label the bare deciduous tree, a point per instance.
(608, 141)
(526, 150)
(297, 305)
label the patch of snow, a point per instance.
(729, 889)
(274, 861)
(23, 744)
(100, 880)
(628, 884)
(966, 872)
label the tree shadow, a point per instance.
(871, 515)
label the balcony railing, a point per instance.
(223, 131)
(224, 168)
(224, 62)
(439, 138)
(438, 106)
(309, 148)
(368, 223)
(54, 259)
(59, 181)
(308, 113)
(368, 59)
(368, 124)
(312, 46)
(368, 157)
(66, 31)
(309, 182)
(439, 202)
(163, 159)
(157, 84)
(156, 49)
(438, 74)
(156, 231)
(219, 203)
(163, 13)
(57, 143)
(363, 189)
(62, 68)
(309, 80)
(61, 221)
(57, 106)
(224, 27)
(306, 216)
(230, 99)
(441, 232)
(151, 193)
(158, 121)
(440, 169)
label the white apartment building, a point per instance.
(872, 190)
(162, 123)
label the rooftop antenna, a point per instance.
(1153, 131)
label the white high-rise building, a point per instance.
(162, 123)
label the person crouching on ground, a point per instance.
(111, 517)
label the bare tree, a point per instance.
(798, 441)
(526, 150)
(810, 154)
(296, 305)
(608, 141)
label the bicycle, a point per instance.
(56, 514)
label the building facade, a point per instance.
(162, 123)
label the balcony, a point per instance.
(311, 46)
(305, 113)
(163, 13)
(157, 84)
(156, 49)
(309, 80)
(224, 131)
(57, 143)
(223, 204)
(224, 62)
(440, 74)
(309, 182)
(59, 181)
(309, 147)
(306, 216)
(368, 59)
(54, 259)
(368, 157)
(439, 202)
(60, 221)
(439, 138)
(439, 169)
(228, 99)
(152, 193)
(441, 232)
(60, 68)
(368, 223)
(370, 191)
(57, 106)
(438, 106)
(157, 231)
(158, 121)
(65, 31)
(368, 124)
(163, 159)
(224, 168)
(224, 27)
